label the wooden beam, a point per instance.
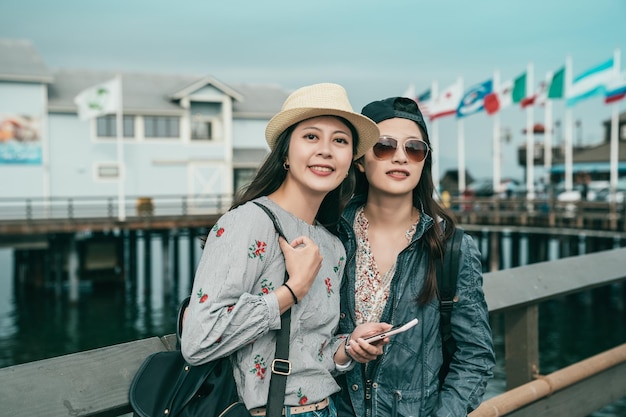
(90, 383)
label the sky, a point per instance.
(374, 48)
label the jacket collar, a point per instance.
(349, 213)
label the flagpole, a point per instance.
(44, 138)
(530, 138)
(435, 142)
(614, 146)
(547, 121)
(496, 138)
(120, 153)
(461, 148)
(568, 128)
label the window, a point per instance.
(106, 126)
(623, 132)
(243, 178)
(161, 127)
(201, 129)
(107, 171)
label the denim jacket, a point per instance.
(404, 380)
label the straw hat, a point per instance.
(324, 99)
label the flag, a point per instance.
(538, 98)
(446, 103)
(99, 100)
(616, 89)
(557, 85)
(423, 101)
(498, 100)
(474, 99)
(425, 96)
(590, 83)
(519, 89)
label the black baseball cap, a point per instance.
(384, 109)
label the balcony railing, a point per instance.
(589, 215)
(64, 208)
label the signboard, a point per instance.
(20, 139)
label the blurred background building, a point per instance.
(181, 134)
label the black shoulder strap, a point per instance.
(272, 216)
(281, 367)
(446, 280)
(447, 275)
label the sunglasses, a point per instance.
(416, 150)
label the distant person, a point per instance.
(445, 198)
(394, 233)
(510, 188)
(584, 186)
(238, 292)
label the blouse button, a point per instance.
(342, 316)
(375, 385)
(355, 387)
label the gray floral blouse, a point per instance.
(233, 309)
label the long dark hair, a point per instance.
(272, 174)
(434, 237)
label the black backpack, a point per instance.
(447, 274)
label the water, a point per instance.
(40, 325)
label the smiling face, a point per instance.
(398, 174)
(320, 154)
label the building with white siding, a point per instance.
(183, 135)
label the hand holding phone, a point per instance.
(391, 332)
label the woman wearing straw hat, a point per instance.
(394, 232)
(239, 297)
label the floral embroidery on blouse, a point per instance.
(259, 367)
(302, 399)
(320, 352)
(372, 289)
(329, 287)
(219, 231)
(266, 286)
(336, 267)
(257, 249)
(202, 297)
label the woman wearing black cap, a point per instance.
(394, 233)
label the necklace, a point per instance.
(411, 230)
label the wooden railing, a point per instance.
(96, 382)
(20, 215)
(68, 214)
(540, 212)
(33, 209)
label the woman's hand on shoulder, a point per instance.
(303, 261)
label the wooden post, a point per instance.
(582, 244)
(72, 270)
(147, 266)
(521, 345)
(58, 265)
(515, 248)
(494, 250)
(485, 249)
(192, 255)
(20, 265)
(165, 257)
(175, 263)
(131, 272)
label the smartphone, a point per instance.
(392, 331)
